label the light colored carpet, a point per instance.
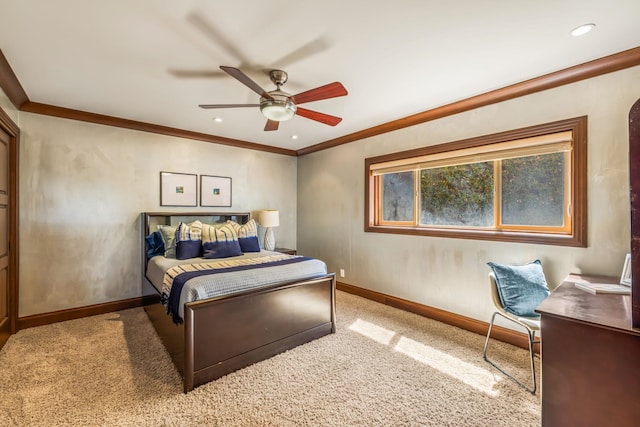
(384, 367)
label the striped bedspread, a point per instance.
(192, 282)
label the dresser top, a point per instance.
(612, 311)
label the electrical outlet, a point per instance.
(342, 272)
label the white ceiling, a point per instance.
(155, 60)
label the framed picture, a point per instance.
(625, 279)
(178, 189)
(215, 191)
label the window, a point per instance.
(526, 185)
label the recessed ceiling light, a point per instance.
(217, 119)
(294, 136)
(582, 29)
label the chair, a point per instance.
(531, 324)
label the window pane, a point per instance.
(397, 196)
(457, 195)
(533, 190)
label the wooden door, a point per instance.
(634, 178)
(5, 288)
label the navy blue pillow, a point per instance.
(220, 242)
(221, 249)
(249, 244)
(521, 287)
(188, 249)
(155, 244)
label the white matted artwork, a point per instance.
(215, 191)
(178, 189)
(625, 279)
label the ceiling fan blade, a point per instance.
(312, 48)
(330, 90)
(246, 80)
(208, 106)
(216, 36)
(204, 74)
(271, 125)
(318, 117)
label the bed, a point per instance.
(211, 337)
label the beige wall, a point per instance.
(451, 274)
(83, 187)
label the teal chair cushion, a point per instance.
(521, 287)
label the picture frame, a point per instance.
(178, 189)
(625, 278)
(215, 191)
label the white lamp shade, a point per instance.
(269, 218)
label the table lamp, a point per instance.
(269, 219)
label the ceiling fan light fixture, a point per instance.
(278, 109)
(278, 112)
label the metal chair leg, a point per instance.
(486, 341)
(532, 341)
(531, 335)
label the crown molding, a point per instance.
(10, 84)
(83, 116)
(619, 61)
(13, 89)
(625, 59)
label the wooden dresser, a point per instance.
(590, 358)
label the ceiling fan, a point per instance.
(277, 105)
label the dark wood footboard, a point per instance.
(222, 335)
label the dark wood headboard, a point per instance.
(150, 220)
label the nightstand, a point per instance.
(286, 251)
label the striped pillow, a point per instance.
(220, 242)
(247, 235)
(188, 240)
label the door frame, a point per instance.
(9, 126)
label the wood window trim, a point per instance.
(578, 236)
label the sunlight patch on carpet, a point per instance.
(370, 330)
(481, 379)
(478, 378)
